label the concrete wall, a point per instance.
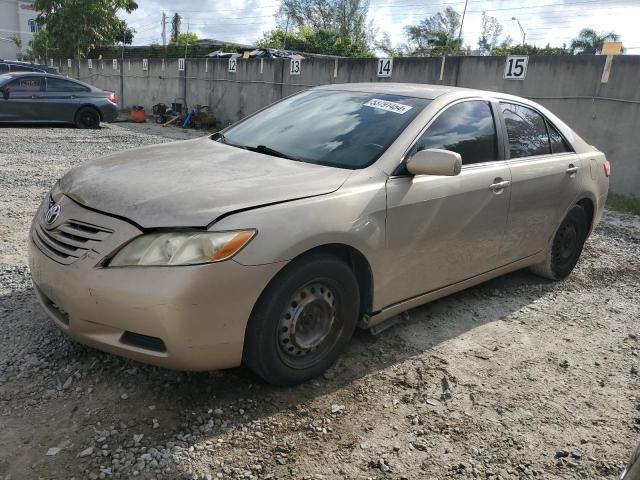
(606, 114)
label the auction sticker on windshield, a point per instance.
(388, 106)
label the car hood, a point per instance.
(192, 183)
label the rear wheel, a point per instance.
(303, 320)
(87, 117)
(566, 247)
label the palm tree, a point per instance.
(590, 42)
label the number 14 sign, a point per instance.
(515, 67)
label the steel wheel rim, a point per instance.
(566, 244)
(306, 322)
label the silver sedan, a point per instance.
(341, 206)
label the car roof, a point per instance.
(419, 90)
(50, 75)
(43, 74)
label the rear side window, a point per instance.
(20, 68)
(527, 131)
(61, 85)
(558, 143)
(4, 68)
(26, 84)
(467, 128)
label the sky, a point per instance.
(544, 21)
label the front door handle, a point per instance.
(499, 185)
(572, 170)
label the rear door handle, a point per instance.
(499, 185)
(572, 169)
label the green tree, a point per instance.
(41, 47)
(185, 39)
(322, 41)
(590, 42)
(176, 21)
(435, 35)
(384, 45)
(506, 48)
(177, 48)
(343, 20)
(75, 27)
(491, 31)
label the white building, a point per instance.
(17, 21)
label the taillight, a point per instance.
(112, 98)
(607, 168)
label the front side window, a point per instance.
(61, 85)
(26, 84)
(329, 127)
(527, 131)
(467, 128)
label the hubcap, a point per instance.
(307, 320)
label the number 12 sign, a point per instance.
(516, 67)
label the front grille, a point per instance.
(68, 241)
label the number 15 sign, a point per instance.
(515, 67)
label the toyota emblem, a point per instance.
(52, 214)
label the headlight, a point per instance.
(181, 248)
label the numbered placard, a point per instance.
(89, 63)
(181, 64)
(145, 64)
(295, 67)
(115, 64)
(68, 62)
(515, 68)
(385, 67)
(233, 64)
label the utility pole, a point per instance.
(524, 34)
(286, 29)
(186, 46)
(164, 29)
(464, 12)
(124, 39)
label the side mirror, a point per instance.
(5, 92)
(434, 161)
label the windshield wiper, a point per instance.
(270, 151)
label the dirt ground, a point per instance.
(516, 378)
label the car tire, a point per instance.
(303, 320)
(566, 247)
(87, 117)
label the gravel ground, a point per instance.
(516, 378)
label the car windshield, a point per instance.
(335, 128)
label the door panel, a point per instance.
(442, 230)
(545, 175)
(22, 103)
(62, 98)
(542, 189)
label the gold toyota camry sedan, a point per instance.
(268, 243)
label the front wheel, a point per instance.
(303, 320)
(87, 117)
(566, 247)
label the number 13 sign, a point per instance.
(515, 68)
